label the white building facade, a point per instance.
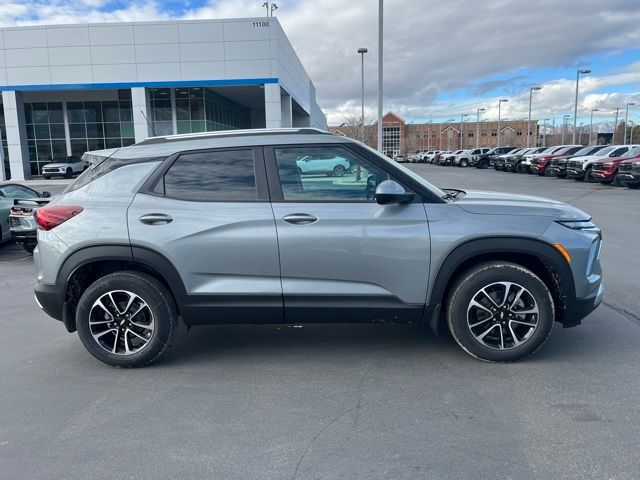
(67, 89)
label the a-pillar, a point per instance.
(16, 140)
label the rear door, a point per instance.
(343, 257)
(208, 213)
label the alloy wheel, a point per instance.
(121, 322)
(502, 315)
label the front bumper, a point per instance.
(25, 237)
(571, 173)
(583, 307)
(629, 177)
(559, 170)
(602, 175)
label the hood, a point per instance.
(589, 158)
(496, 203)
(57, 165)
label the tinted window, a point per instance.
(16, 191)
(212, 177)
(326, 173)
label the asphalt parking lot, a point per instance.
(334, 402)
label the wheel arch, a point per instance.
(84, 266)
(536, 255)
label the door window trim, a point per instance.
(259, 168)
(275, 188)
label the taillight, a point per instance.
(51, 216)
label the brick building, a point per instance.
(398, 136)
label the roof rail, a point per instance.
(233, 133)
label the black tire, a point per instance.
(464, 163)
(518, 168)
(29, 248)
(615, 181)
(338, 171)
(47, 177)
(68, 173)
(486, 275)
(160, 304)
(633, 186)
(483, 164)
(587, 176)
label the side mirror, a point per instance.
(46, 194)
(390, 192)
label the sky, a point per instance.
(441, 59)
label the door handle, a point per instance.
(300, 218)
(156, 219)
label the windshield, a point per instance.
(634, 152)
(604, 151)
(585, 151)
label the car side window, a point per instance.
(326, 173)
(618, 152)
(217, 176)
(16, 191)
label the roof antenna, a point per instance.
(153, 130)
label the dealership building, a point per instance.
(67, 89)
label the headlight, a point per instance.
(578, 224)
(475, 157)
(608, 164)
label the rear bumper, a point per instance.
(50, 299)
(28, 237)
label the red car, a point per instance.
(542, 165)
(619, 171)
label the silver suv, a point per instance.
(226, 227)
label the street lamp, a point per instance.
(544, 133)
(430, 122)
(591, 124)
(480, 110)
(362, 51)
(575, 105)
(273, 8)
(531, 89)
(564, 128)
(461, 126)
(626, 121)
(615, 126)
(500, 102)
(380, 30)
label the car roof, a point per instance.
(168, 145)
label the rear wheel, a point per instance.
(464, 162)
(68, 173)
(500, 312)
(126, 319)
(338, 171)
(47, 177)
(29, 248)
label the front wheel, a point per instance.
(47, 177)
(126, 319)
(615, 181)
(587, 177)
(464, 163)
(68, 173)
(500, 312)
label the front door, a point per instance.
(210, 216)
(343, 257)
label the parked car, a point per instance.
(427, 156)
(559, 164)
(400, 158)
(438, 156)
(9, 192)
(579, 168)
(525, 166)
(224, 228)
(500, 161)
(540, 164)
(629, 173)
(483, 160)
(23, 223)
(65, 167)
(513, 162)
(447, 159)
(607, 171)
(463, 159)
(332, 166)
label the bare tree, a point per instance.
(411, 143)
(354, 127)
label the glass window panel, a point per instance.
(55, 112)
(40, 113)
(112, 143)
(42, 131)
(57, 130)
(182, 110)
(127, 129)
(163, 128)
(93, 111)
(197, 126)
(28, 113)
(94, 130)
(31, 133)
(78, 147)
(197, 109)
(111, 111)
(126, 112)
(44, 150)
(59, 148)
(212, 176)
(326, 173)
(124, 94)
(128, 141)
(95, 144)
(75, 112)
(184, 126)
(112, 130)
(77, 130)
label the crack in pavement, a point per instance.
(635, 318)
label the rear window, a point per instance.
(99, 168)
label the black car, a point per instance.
(558, 166)
(482, 161)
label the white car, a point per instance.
(333, 166)
(579, 168)
(67, 167)
(464, 158)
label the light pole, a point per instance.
(380, 12)
(273, 8)
(626, 121)
(266, 5)
(362, 51)
(591, 124)
(615, 126)
(531, 89)
(575, 105)
(461, 126)
(544, 133)
(564, 129)
(500, 102)
(430, 122)
(480, 110)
